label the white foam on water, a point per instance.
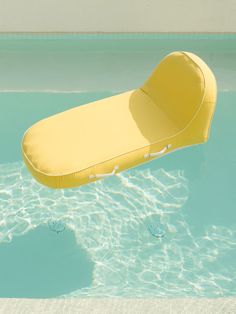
(110, 219)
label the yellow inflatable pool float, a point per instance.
(173, 109)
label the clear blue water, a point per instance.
(106, 248)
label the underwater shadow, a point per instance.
(43, 264)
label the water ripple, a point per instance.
(110, 219)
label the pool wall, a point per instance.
(117, 16)
(73, 62)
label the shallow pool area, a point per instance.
(104, 247)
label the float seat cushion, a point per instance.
(172, 109)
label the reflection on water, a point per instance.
(110, 218)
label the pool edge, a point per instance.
(119, 305)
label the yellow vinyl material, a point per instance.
(173, 109)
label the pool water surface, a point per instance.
(99, 239)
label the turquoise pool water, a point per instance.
(103, 246)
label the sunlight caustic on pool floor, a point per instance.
(110, 220)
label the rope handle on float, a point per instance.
(158, 153)
(102, 175)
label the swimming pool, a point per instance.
(95, 240)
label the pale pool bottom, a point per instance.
(109, 219)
